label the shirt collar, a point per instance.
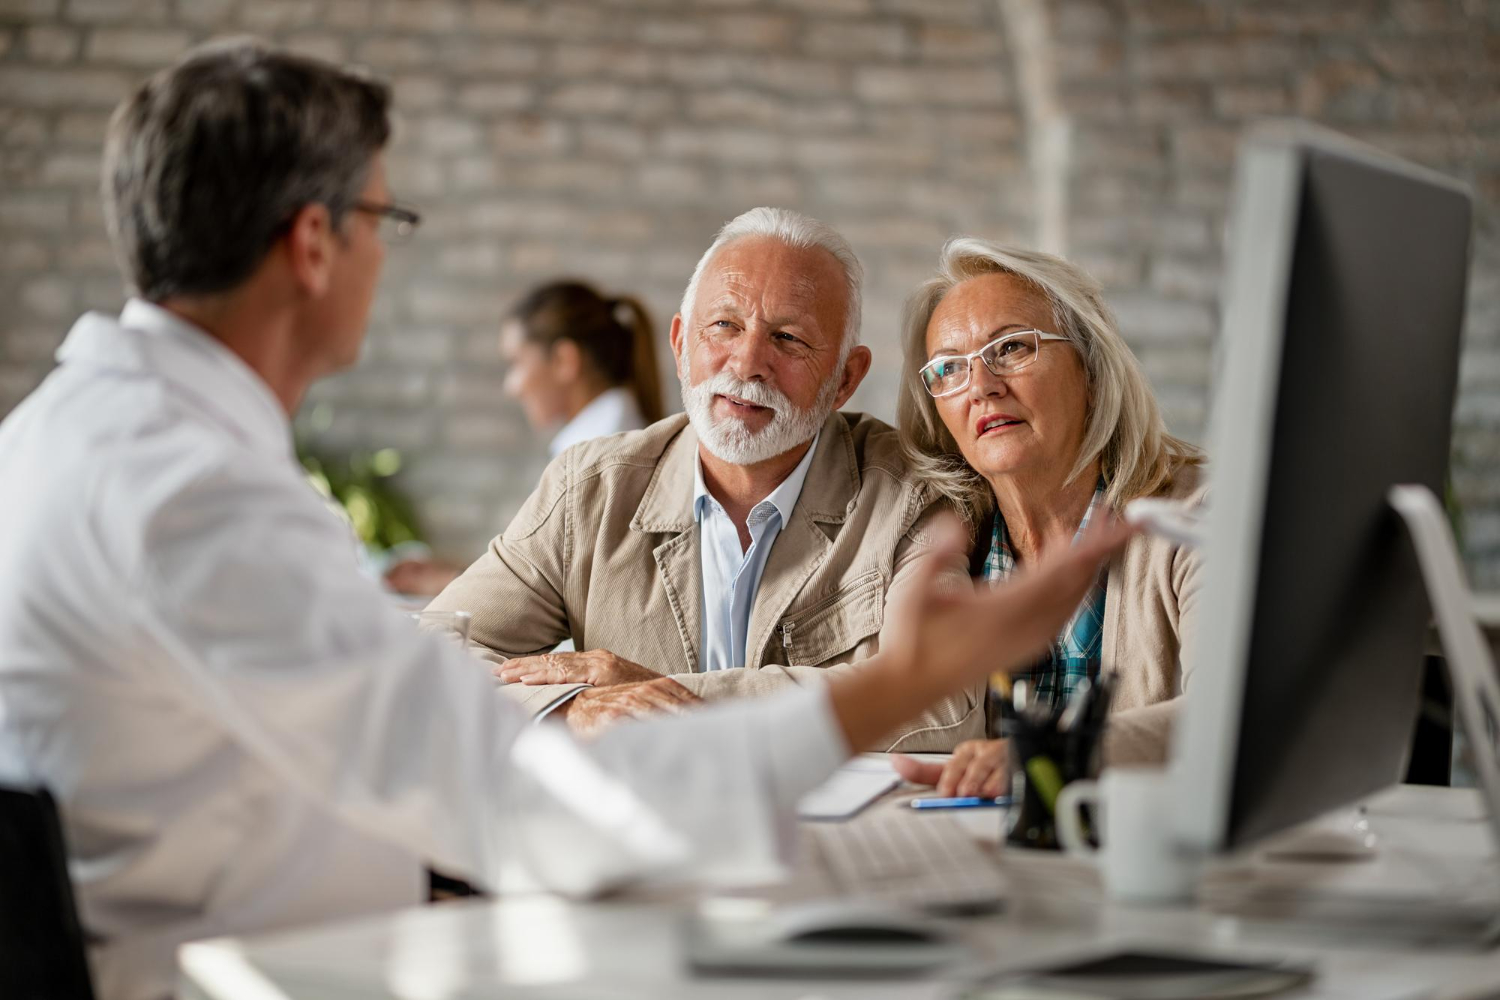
(149, 339)
(1002, 558)
(783, 497)
(611, 411)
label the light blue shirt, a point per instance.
(731, 576)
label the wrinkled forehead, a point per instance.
(977, 310)
(773, 276)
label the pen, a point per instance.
(963, 802)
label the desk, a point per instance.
(540, 946)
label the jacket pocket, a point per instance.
(834, 626)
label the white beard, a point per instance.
(729, 440)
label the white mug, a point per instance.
(1132, 815)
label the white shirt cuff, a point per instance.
(804, 742)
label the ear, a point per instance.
(855, 370)
(309, 249)
(566, 360)
(677, 338)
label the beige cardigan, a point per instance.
(1150, 609)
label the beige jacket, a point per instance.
(606, 551)
(1150, 609)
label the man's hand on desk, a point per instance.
(598, 667)
(977, 767)
(593, 709)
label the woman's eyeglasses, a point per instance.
(950, 373)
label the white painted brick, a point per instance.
(420, 92)
(447, 134)
(358, 14)
(136, 47)
(51, 43)
(845, 38)
(530, 135)
(901, 85)
(949, 42)
(33, 213)
(1147, 317)
(89, 253)
(396, 53)
(570, 60)
(48, 298)
(116, 11)
(35, 346)
(278, 15)
(603, 138)
(427, 17)
(57, 88)
(20, 127)
(22, 10)
(213, 14)
(316, 45)
(490, 57)
(1073, 19)
(83, 128)
(490, 97)
(17, 255)
(71, 168)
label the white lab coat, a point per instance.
(243, 734)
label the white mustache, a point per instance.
(755, 393)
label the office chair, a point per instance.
(41, 941)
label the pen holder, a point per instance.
(1044, 757)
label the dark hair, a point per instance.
(209, 160)
(613, 334)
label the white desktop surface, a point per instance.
(541, 946)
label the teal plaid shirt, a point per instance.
(1074, 654)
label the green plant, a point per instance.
(360, 483)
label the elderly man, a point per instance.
(753, 544)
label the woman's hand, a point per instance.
(977, 767)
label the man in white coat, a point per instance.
(240, 731)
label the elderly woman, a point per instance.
(1022, 404)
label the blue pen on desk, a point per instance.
(962, 802)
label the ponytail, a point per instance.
(645, 379)
(614, 336)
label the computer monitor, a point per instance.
(1340, 350)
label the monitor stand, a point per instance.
(1471, 668)
(1472, 921)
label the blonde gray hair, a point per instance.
(1124, 429)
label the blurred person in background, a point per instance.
(579, 364)
(241, 733)
(1023, 405)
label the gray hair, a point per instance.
(208, 161)
(795, 230)
(1124, 431)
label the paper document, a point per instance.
(852, 787)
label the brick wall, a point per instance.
(1156, 92)
(609, 140)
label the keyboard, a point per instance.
(924, 862)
